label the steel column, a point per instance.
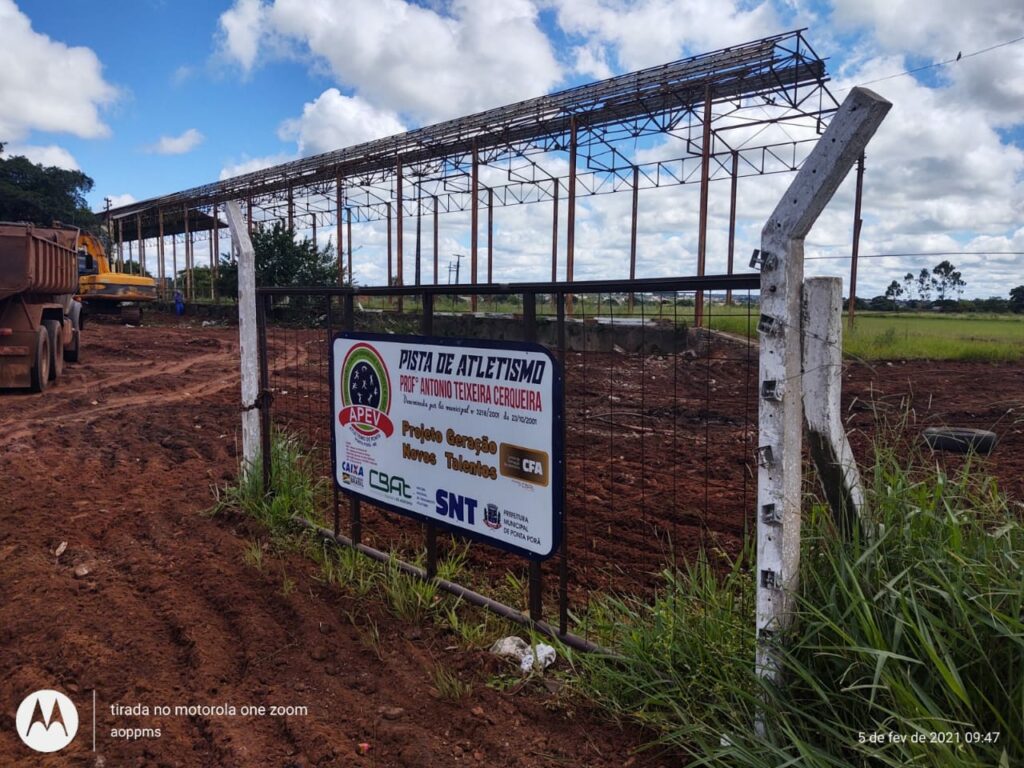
(570, 223)
(474, 219)
(419, 229)
(215, 255)
(390, 270)
(398, 223)
(732, 219)
(188, 263)
(160, 253)
(435, 239)
(339, 224)
(855, 252)
(554, 230)
(632, 231)
(348, 234)
(702, 232)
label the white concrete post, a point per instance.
(247, 341)
(823, 389)
(780, 414)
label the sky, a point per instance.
(150, 97)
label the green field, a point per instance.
(913, 335)
(874, 336)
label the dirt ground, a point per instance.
(151, 603)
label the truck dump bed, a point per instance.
(37, 260)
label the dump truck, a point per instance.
(105, 291)
(40, 320)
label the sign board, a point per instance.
(464, 433)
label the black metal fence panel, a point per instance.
(660, 427)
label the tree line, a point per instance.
(936, 288)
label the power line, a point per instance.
(920, 254)
(953, 60)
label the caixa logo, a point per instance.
(392, 485)
(352, 469)
(365, 392)
(46, 720)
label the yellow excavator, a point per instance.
(104, 291)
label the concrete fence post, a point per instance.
(823, 388)
(247, 336)
(780, 412)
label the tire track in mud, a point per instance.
(291, 357)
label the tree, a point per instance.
(947, 279)
(908, 284)
(925, 283)
(1017, 299)
(893, 292)
(41, 195)
(283, 260)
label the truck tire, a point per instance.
(40, 375)
(53, 330)
(72, 351)
(960, 439)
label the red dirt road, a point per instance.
(118, 460)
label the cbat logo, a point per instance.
(47, 720)
(365, 392)
(393, 485)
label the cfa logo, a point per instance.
(47, 720)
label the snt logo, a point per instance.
(47, 720)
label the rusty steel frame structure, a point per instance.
(732, 113)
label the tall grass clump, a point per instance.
(689, 649)
(294, 487)
(907, 646)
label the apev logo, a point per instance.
(46, 720)
(365, 393)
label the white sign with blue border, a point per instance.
(463, 433)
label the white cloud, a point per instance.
(116, 201)
(47, 155)
(241, 28)
(251, 164)
(46, 85)
(402, 57)
(590, 61)
(177, 145)
(334, 121)
(650, 32)
(182, 75)
(940, 30)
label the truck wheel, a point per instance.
(72, 350)
(960, 439)
(131, 315)
(53, 330)
(40, 375)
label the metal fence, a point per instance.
(660, 427)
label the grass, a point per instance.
(295, 488)
(874, 336)
(447, 684)
(923, 336)
(912, 632)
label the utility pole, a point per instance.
(458, 258)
